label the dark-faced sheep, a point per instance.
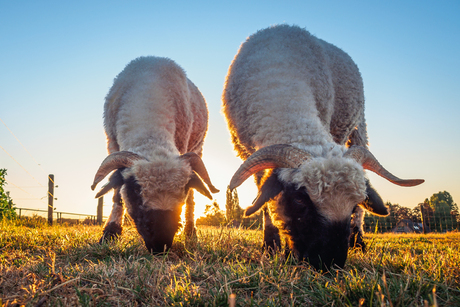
(155, 120)
(294, 105)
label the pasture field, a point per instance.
(58, 265)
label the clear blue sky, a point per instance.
(58, 60)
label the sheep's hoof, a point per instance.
(111, 232)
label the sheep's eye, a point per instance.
(298, 201)
(299, 197)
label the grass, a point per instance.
(64, 266)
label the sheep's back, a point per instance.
(348, 110)
(151, 105)
(280, 89)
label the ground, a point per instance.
(65, 266)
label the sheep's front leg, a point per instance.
(272, 241)
(356, 227)
(190, 230)
(114, 224)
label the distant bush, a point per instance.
(213, 216)
(6, 203)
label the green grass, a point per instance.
(64, 266)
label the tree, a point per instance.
(7, 208)
(232, 206)
(443, 197)
(440, 212)
(213, 216)
(442, 217)
(399, 212)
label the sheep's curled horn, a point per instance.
(197, 166)
(288, 156)
(122, 159)
(115, 161)
(369, 162)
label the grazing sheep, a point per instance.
(294, 105)
(155, 120)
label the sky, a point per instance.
(58, 60)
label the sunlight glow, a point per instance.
(200, 206)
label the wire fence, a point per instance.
(408, 225)
(431, 223)
(60, 217)
(438, 223)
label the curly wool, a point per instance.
(335, 185)
(154, 110)
(151, 105)
(285, 86)
(162, 182)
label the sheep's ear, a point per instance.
(196, 183)
(373, 202)
(269, 190)
(115, 181)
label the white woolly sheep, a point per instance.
(155, 120)
(294, 104)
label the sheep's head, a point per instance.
(155, 191)
(312, 199)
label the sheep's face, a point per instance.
(154, 195)
(310, 235)
(314, 206)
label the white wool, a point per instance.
(285, 86)
(150, 105)
(162, 182)
(153, 110)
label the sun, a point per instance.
(200, 206)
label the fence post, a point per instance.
(50, 198)
(100, 203)
(423, 218)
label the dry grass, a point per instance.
(64, 266)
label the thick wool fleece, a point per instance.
(153, 110)
(162, 182)
(153, 105)
(286, 86)
(335, 185)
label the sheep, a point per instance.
(155, 120)
(294, 105)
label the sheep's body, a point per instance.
(153, 106)
(156, 115)
(288, 87)
(300, 91)
(308, 94)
